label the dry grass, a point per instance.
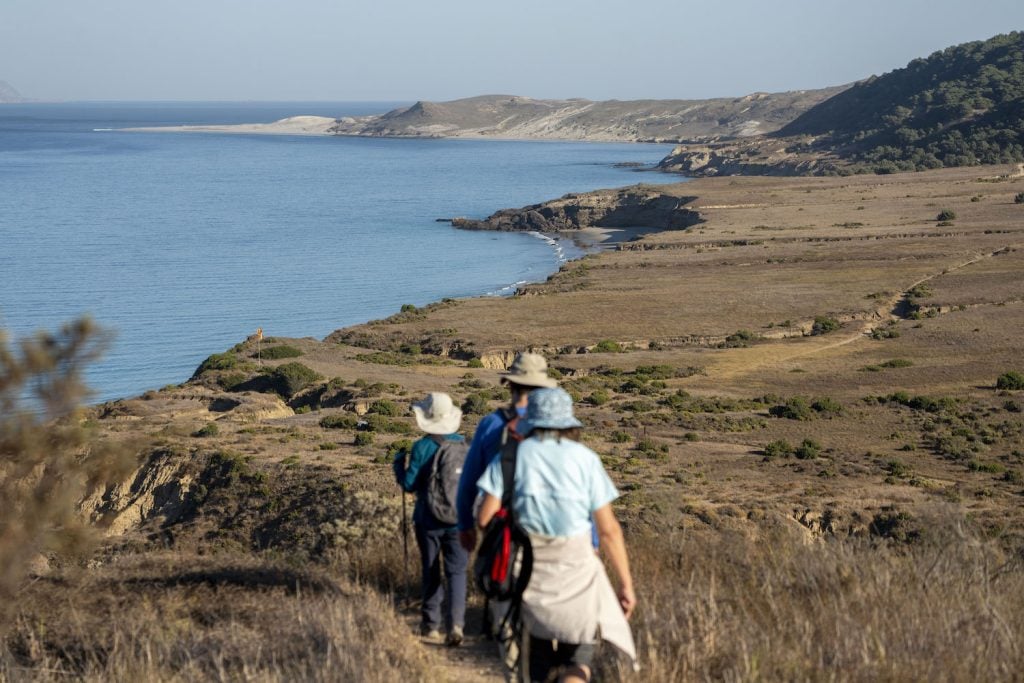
(784, 607)
(179, 618)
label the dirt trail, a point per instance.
(475, 661)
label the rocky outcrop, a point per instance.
(638, 206)
(758, 156)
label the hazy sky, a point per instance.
(445, 49)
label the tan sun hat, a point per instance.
(436, 414)
(529, 370)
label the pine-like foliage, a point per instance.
(959, 107)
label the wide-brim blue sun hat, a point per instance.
(548, 409)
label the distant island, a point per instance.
(961, 106)
(8, 94)
(513, 117)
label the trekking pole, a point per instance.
(405, 542)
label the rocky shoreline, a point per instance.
(638, 206)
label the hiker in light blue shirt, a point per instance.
(558, 486)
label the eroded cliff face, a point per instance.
(757, 156)
(638, 206)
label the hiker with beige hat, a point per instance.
(528, 371)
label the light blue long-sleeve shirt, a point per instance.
(483, 449)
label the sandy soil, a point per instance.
(295, 125)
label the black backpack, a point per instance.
(504, 544)
(443, 485)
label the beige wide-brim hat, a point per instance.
(436, 414)
(529, 370)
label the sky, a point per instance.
(404, 50)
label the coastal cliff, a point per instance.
(634, 206)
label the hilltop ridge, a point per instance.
(517, 117)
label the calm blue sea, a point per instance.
(184, 244)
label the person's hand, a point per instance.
(627, 600)
(468, 539)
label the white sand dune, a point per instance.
(293, 125)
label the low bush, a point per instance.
(386, 408)
(379, 423)
(599, 397)
(619, 437)
(363, 439)
(608, 346)
(827, 407)
(218, 361)
(475, 363)
(1018, 198)
(796, 408)
(278, 352)
(1010, 381)
(809, 449)
(824, 324)
(476, 404)
(291, 378)
(210, 429)
(778, 449)
(340, 421)
(946, 215)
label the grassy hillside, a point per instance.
(959, 107)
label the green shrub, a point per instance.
(1010, 381)
(946, 215)
(475, 363)
(476, 404)
(363, 439)
(739, 339)
(619, 437)
(827, 406)
(796, 408)
(778, 449)
(887, 332)
(824, 324)
(691, 436)
(808, 449)
(210, 429)
(278, 352)
(291, 378)
(232, 380)
(981, 466)
(218, 361)
(379, 423)
(897, 363)
(1018, 198)
(899, 469)
(608, 346)
(599, 397)
(340, 421)
(385, 407)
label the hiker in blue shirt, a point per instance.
(528, 371)
(436, 538)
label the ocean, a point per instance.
(182, 244)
